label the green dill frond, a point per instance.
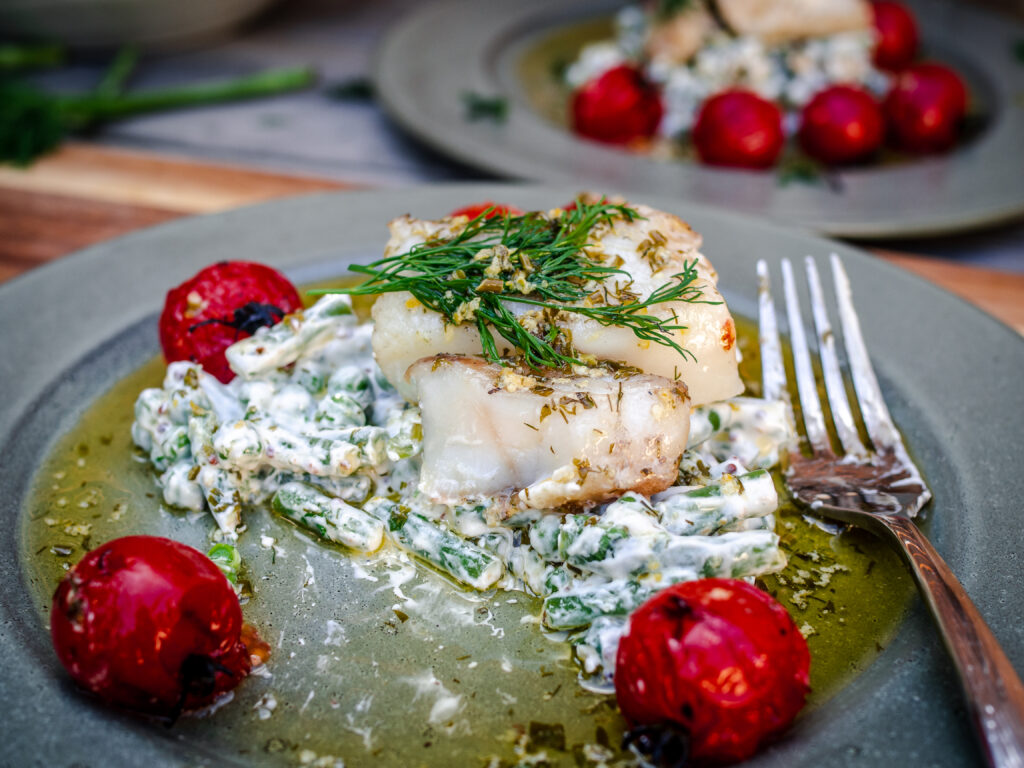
(532, 259)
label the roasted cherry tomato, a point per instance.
(896, 30)
(739, 129)
(842, 124)
(925, 108)
(151, 625)
(223, 303)
(496, 209)
(713, 668)
(618, 107)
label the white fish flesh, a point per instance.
(541, 443)
(675, 40)
(650, 250)
(782, 21)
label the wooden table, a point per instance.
(85, 194)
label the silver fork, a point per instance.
(879, 488)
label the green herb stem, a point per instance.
(34, 122)
(15, 57)
(227, 559)
(356, 89)
(94, 108)
(120, 70)
(480, 107)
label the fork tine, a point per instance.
(879, 423)
(773, 372)
(814, 419)
(842, 415)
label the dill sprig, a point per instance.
(534, 259)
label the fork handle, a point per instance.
(995, 695)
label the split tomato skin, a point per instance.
(842, 124)
(618, 107)
(718, 659)
(739, 129)
(925, 108)
(221, 304)
(150, 625)
(896, 32)
(492, 209)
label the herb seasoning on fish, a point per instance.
(471, 273)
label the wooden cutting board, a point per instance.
(85, 194)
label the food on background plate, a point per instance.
(785, 21)
(740, 129)
(925, 108)
(896, 32)
(842, 124)
(618, 107)
(555, 412)
(704, 72)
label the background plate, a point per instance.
(444, 50)
(75, 327)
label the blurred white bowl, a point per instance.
(106, 23)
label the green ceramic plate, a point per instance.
(511, 49)
(350, 678)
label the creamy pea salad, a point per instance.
(785, 55)
(591, 486)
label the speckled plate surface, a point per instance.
(77, 327)
(492, 47)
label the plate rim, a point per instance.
(495, 152)
(114, 254)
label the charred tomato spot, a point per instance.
(677, 607)
(198, 676)
(248, 318)
(666, 745)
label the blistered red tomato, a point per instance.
(739, 129)
(925, 108)
(896, 31)
(151, 625)
(841, 124)
(714, 666)
(618, 107)
(491, 209)
(223, 303)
